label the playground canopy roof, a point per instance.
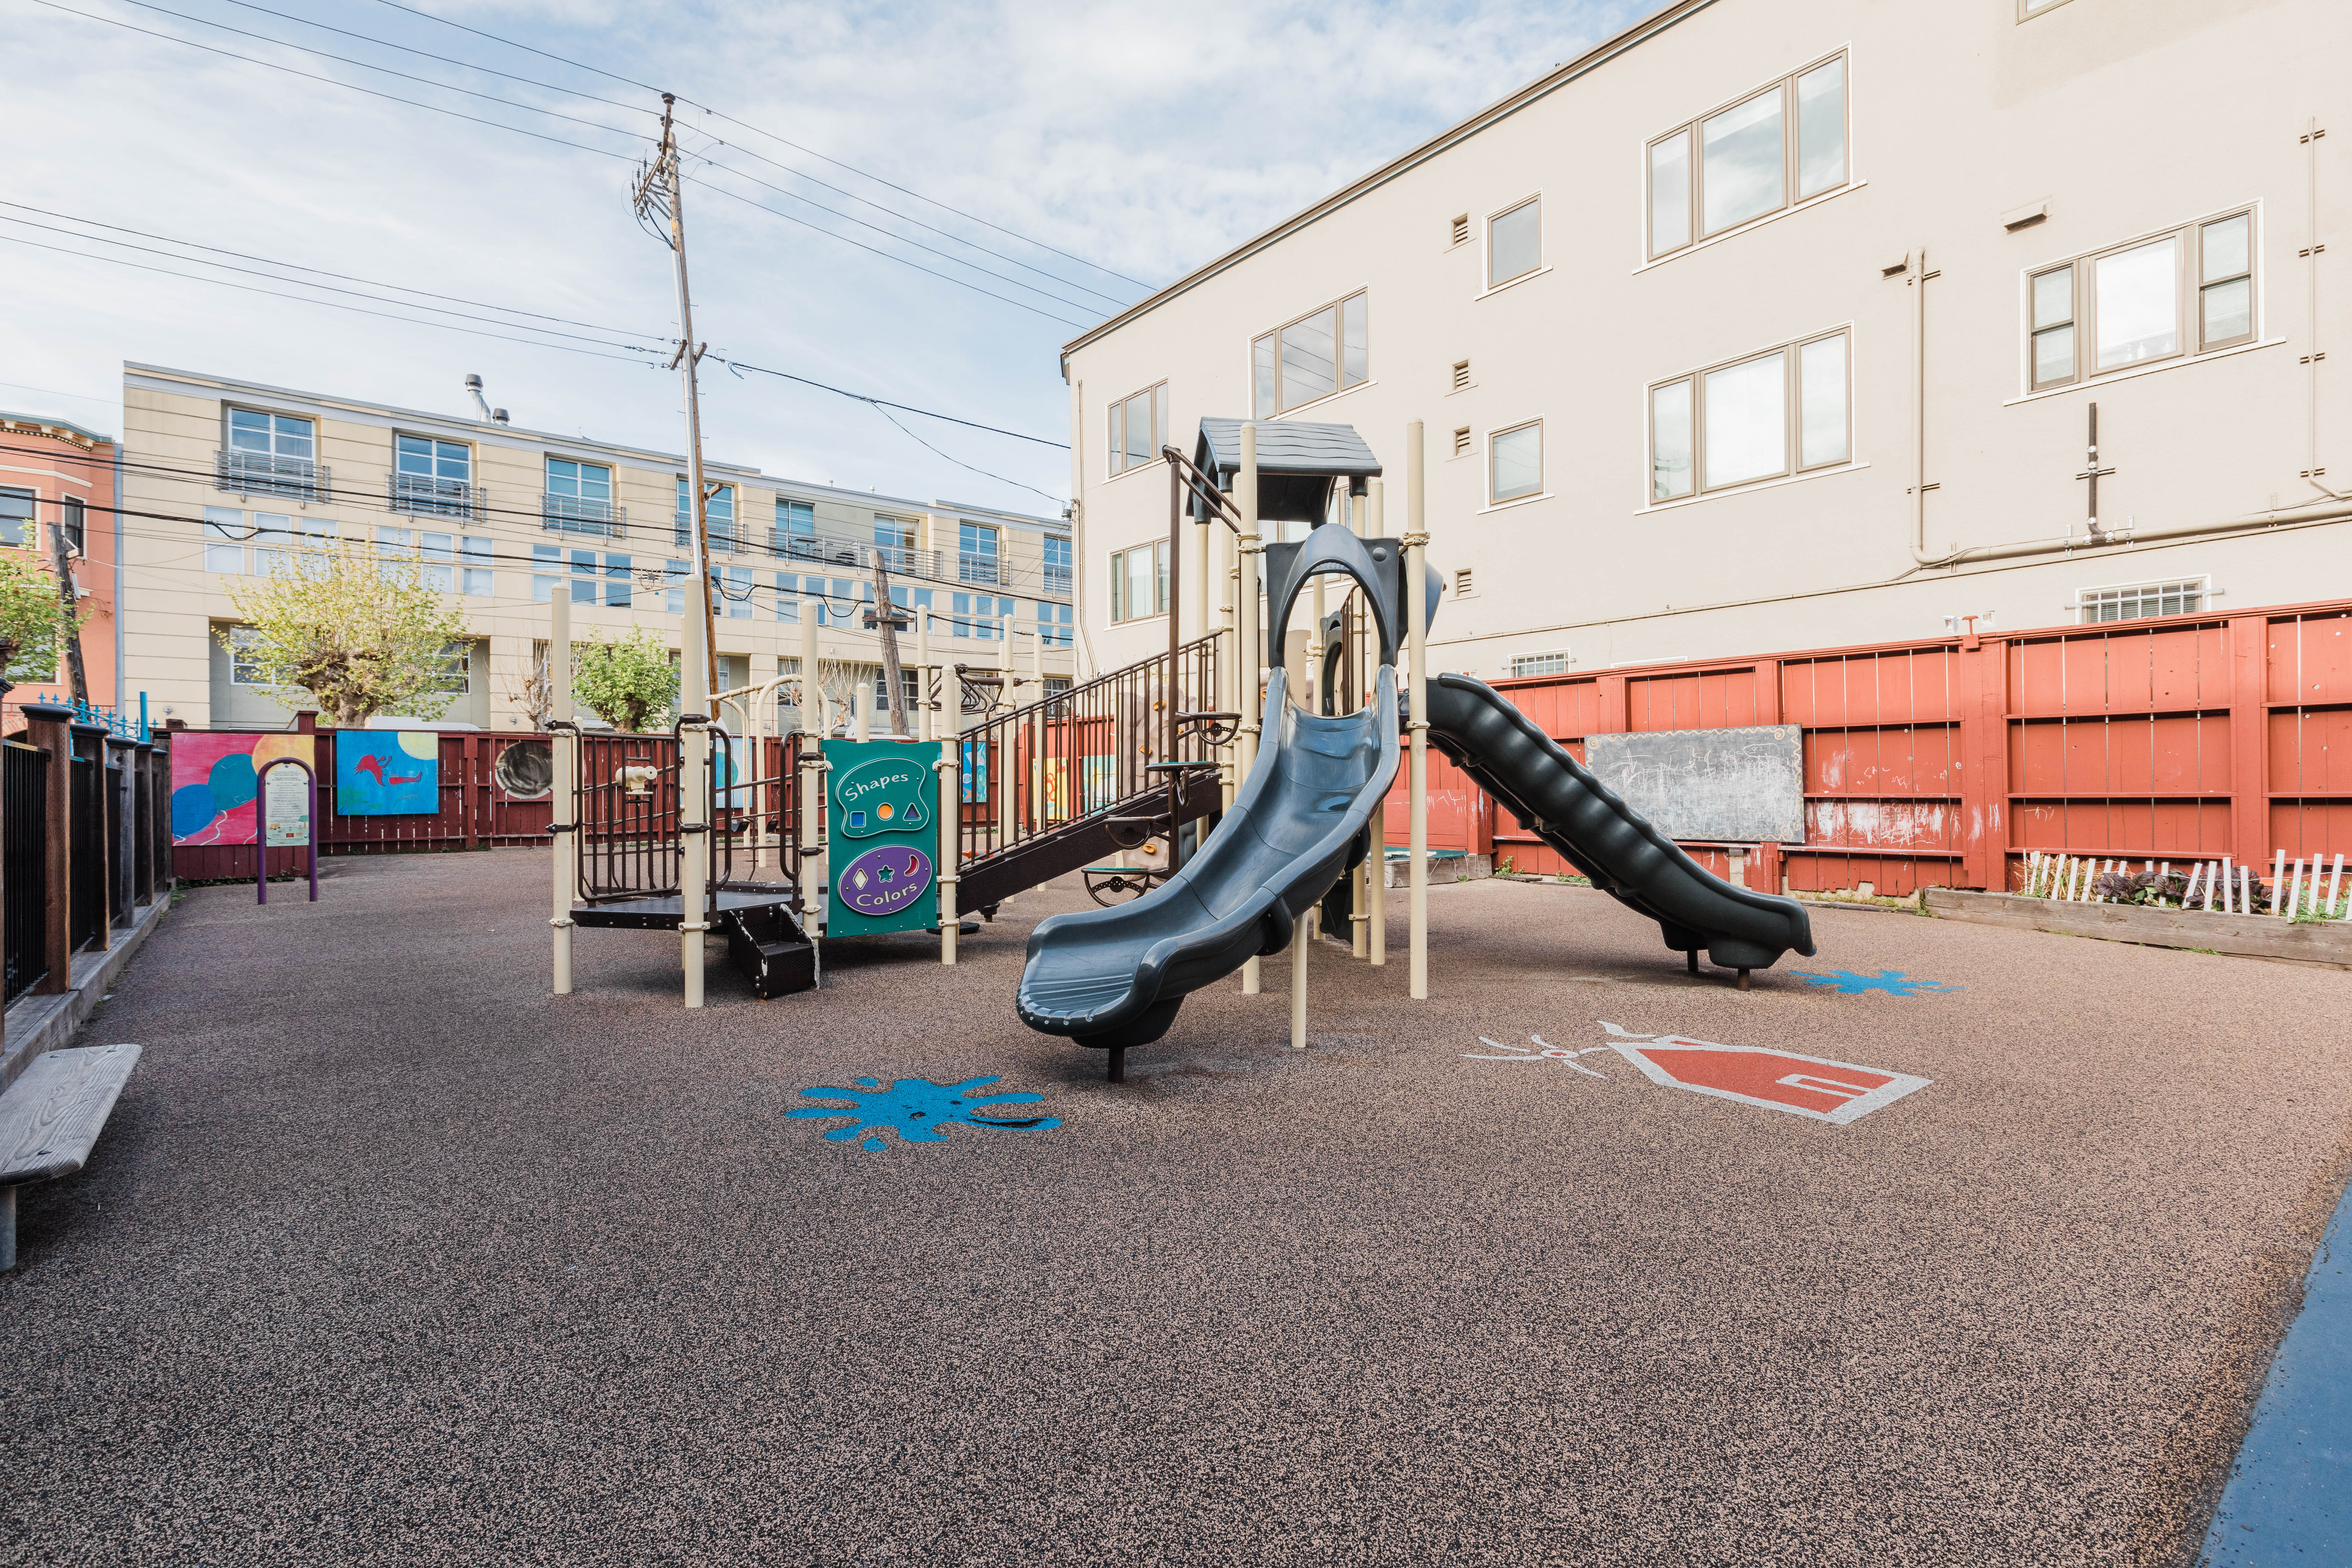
(1295, 463)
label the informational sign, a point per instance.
(286, 808)
(883, 833)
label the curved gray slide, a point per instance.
(1115, 977)
(1553, 796)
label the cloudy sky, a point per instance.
(1113, 147)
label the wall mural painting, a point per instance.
(215, 778)
(387, 773)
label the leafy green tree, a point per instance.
(623, 681)
(354, 629)
(32, 617)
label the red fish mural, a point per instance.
(376, 765)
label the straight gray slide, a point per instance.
(1115, 977)
(1553, 796)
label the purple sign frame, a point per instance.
(885, 880)
(261, 826)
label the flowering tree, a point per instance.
(625, 681)
(357, 631)
(32, 617)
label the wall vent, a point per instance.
(1462, 442)
(1462, 229)
(1460, 374)
(1463, 583)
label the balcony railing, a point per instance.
(831, 550)
(260, 474)
(973, 567)
(423, 496)
(726, 534)
(570, 514)
(1056, 579)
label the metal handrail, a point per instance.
(259, 473)
(573, 514)
(422, 495)
(1087, 752)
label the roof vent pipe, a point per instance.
(474, 386)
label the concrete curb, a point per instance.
(2244, 936)
(37, 1023)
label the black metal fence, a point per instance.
(86, 831)
(24, 911)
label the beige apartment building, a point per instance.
(1772, 324)
(221, 479)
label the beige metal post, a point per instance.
(951, 766)
(694, 825)
(861, 706)
(1247, 645)
(813, 785)
(564, 848)
(1416, 619)
(1377, 863)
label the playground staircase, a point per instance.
(1132, 753)
(769, 949)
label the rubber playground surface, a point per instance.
(389, 1256)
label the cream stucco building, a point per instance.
(221, 477)
(1771, 324)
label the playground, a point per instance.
(391, 1255)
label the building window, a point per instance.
(1138, 581)
(2142, 599)
(731, 592)
(676, 575)
(1742, 161)
(894, 541)
(1323, 351)
(1058, 576)
(1515, 462)
(431, 477)
(440, 554)
(2186, 292)
(2026, 8)
(1758, 419)
(280, 541)
(75, 524)
(244, 664)
(718, 516)
(980, 616)
(1539, 664)
(586, 571)
(976, 560)
(456, 671)
(579, 497)
(17, 519)
(476, 581)
(1138, 429)
(1055, 626)
(1514, 243)
(271, 453)
(224, 534)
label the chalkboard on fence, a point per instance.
(1736, 786)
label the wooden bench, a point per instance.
(50, 1117)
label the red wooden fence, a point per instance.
(1943, 762)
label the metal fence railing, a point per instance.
(24, 886)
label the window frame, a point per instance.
(1792, 418)
(1340, 385)
(2028, 11)
(1791, 173)
(1494, 284)
(30, 522)
(2187, 298)
(1542, 488)
(1116, 428)
(2085, 598)
(1118, 599)
(228, 430)
(1563, 655)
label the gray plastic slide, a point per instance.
(1554, 798)
(1115, 977)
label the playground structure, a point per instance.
(1312, 779)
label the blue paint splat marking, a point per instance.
(917, 1109)
(1894, 982)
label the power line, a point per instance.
(330, 81)
(901, 260)
(558, 141)
(306, 299)
(256, 272)
(297, 266)
(928, 250)
(960, 463)
(630, 81)
(635, 109)
(885, 403)
(363, 65)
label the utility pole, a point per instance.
(69, 630)
(660, 194)
(888, 619)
